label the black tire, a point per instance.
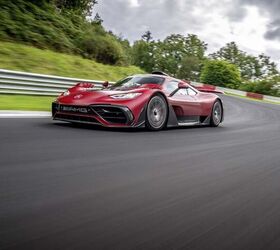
(217, 114)
(156, 113)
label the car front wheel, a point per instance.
(156, 114)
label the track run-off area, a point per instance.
(82, 187)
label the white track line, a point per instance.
(24, 114)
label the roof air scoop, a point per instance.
(159, 73)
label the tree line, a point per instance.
(185, 57)
(65, 26)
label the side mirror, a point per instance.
(182, 85)
(105, 84)
(84, 85)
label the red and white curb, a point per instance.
(24, 114)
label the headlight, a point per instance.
(66, 93)
(126, 96)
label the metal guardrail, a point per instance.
(15, 82)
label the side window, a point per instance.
(185, 92)
(169, 87)
(182, 92)
(191, 92)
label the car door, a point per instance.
(186, 105)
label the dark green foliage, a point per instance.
(143, 55)
(251, 67)
(60, 25)
(147, 36)
(170, 55)
(25, 22)
(265, 87)
(190, 68)
(104, 49)
(80, 7)
(97, 19)
(220, 73)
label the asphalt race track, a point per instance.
(69, 187)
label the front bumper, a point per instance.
(104, 115)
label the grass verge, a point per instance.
(23, 102)
(20, 57)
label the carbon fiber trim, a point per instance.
(172, 118)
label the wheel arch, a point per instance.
(223, 111)
(171, 116)
(159, 93)
(142, 117)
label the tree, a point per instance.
(143, 52)
(97, 19)
(269, 86)
(82, 7)
(195, 47)
(126, 48)
(181, 55)
(190, 68)
(251, 67)
(220, 73)
(143, 55)
(268, 68)
(170, 55)
(230, 52)
(147, 36)
(178, 46)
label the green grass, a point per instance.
(20, 57)
(24, 102)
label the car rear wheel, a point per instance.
(217, 114)
(156, 114)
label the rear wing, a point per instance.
(207, 88)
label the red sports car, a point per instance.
(154, 101)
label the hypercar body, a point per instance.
(154, 101)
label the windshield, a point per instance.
(137, 81)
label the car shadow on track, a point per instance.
(96, 127)
(129, 130)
